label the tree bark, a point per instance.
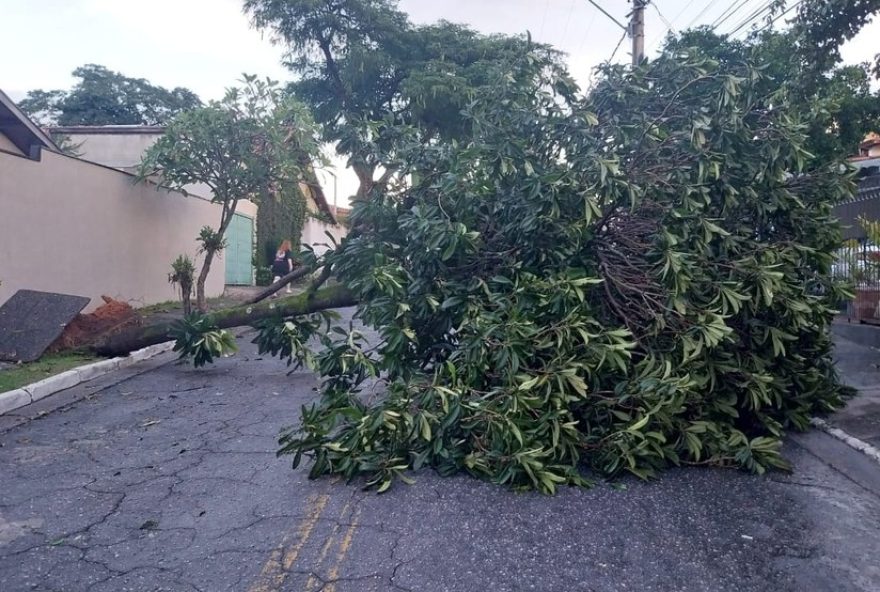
(138, 337)
(283, 281)
(201, 301)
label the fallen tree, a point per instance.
(282, 281)
(624, 282)
(627, 281)
(134, 338)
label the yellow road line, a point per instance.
(272, 575)
(312, 583)
(344, 546)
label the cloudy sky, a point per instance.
(205, 45)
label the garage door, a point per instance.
(239, 251)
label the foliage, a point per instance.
(822, 26)
(247, 146)
(67, 145)
(182, 275)
(263, 276)
(289, 338)
(282, 217)
(364, 69)
(210, 240)
(103, 97)
(629, 281)
(197, 337)
(842, 105)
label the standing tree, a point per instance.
(104, 97)
(252, 144)
(365, 70)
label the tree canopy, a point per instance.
(364, 69)
(103, 97)
(845, 106)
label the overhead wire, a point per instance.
(701, 13)
(751, 19)
(666, 22)
(731, 10)
(659, 38)
(614, 53)
(605, 12)
(786, 11)
(567, 23)
(585, 36)
(544, 17)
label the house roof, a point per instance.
(21, 131)
(870, 140)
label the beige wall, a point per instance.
(70, 226)
(6, 144)
(313, 234)
(120, 151)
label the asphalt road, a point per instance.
(167, 480)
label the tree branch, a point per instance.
(139, 337)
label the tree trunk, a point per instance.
(138, 337)
(283, 281)
(201, 302)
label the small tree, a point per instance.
(182, 274)
(245, 146)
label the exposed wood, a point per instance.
(138, 337)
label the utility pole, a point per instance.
(637, 31)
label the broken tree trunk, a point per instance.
(283, 281)
(138, 337)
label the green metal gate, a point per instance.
(239, 251)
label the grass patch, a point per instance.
(50, 364)
(166, 306)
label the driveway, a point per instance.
(164, 477)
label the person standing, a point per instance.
(283, 263)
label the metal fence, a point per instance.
(859, 260)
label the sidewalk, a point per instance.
(858, 359)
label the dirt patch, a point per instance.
(85, 329)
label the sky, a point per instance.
(206, 45)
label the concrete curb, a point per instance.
(12, 400)
(850, 441)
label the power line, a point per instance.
(659, 39)
(669, 26)
(732, 9)
(603, 11)
(587, 31)
(614, 53)
(786, 11)
(751, 18)
(567, 22)
(702, 12)
(544, 17)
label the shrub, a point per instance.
(182, 275)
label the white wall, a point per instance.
(74, 227)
